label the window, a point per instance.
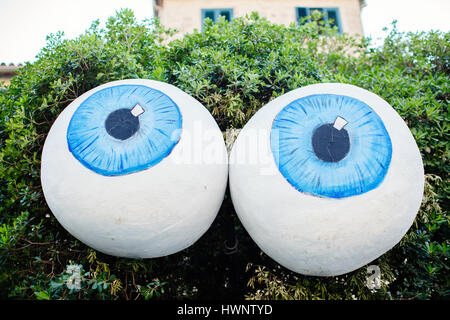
(214, 14)
(330, 16)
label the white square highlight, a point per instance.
(137, 110)
(339, 123)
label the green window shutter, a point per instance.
(227, 13)
(214, 14)
(209, 14)
(333, 18)
(330, 17)
(301, 13)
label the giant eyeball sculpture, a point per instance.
(135, 168)
(326, 178)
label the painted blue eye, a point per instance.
(124, 129)
(331, 146)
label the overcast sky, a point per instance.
(24, 24)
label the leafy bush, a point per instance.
(233, 69)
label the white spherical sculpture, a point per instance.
(135, 168)
(326, 178)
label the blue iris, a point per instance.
(108, 138)
(327, 161)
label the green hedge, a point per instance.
(233, 69)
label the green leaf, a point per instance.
(42, 295)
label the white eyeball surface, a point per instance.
(135, 168)
(326, 178)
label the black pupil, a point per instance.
(121, 124)
(330, 144)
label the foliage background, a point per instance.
(233, 69)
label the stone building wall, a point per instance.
(185, 15)
(7, 72)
